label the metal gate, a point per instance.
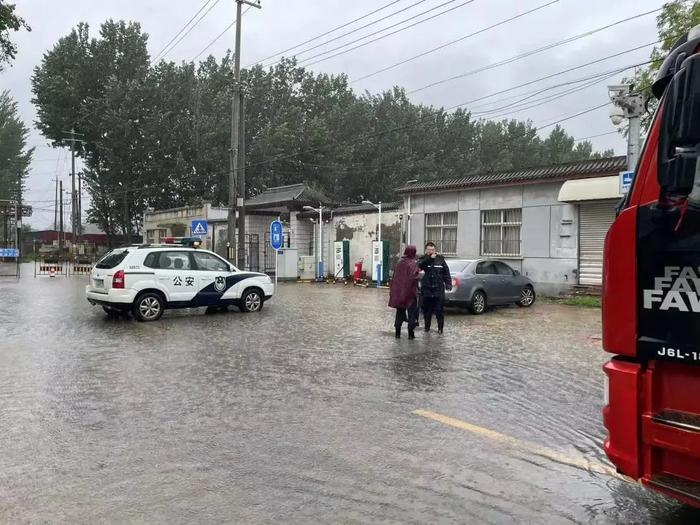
(252, 253)
(269, 253)
(595, 219)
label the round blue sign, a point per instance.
(276, 235)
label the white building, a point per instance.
(548, 222)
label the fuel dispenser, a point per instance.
(341, 259)
(380, 261)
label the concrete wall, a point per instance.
(549, 232)
(361, 229)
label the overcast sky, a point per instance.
(281, 24)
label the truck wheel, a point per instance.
(478, 303)
(148, 307)
(252, 301)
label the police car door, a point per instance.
(212, 277)
(174, 272)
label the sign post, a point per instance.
(626, 178)
(276, 242)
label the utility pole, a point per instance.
(60, 219)
(74, 216)
(235, 128)
(80, 204)
(18, 219)
(55, 208)
(629, 105)
(240, 187)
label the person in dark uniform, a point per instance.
(436, 280)
(403, 292)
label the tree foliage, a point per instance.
(14, 155)
(675, 19)
(158, 135)
(9, 21)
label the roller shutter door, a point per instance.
(594, 220)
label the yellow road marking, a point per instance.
(532, 448)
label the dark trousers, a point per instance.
(406, 315)
(433, 306)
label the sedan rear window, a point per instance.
(457, 266)
(112, 259)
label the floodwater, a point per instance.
(302, 413)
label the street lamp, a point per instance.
(379, 207)
(319, 210)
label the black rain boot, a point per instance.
(398, 332)
(411, 333)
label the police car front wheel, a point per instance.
(252, 301)
(148, 307)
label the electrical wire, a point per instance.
(597, 135)
(531, 52)
(452, 42)
(336, 29)
(190, 29)
(181, 30)
(220, 35)
(381, 37)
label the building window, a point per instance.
(500, 232)
(441, 229)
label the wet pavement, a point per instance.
(307, 412)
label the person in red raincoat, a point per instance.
(403, 292)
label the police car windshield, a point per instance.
(112, 259)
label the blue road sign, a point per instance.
(626, 178)
(276, 236)
(9, 252)
(200, 228)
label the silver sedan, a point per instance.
(478, 284)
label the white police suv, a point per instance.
(147, 279)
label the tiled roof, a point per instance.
(350, 209)
(570, 170)
(280, 195)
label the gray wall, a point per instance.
(549, 232)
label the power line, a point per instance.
(452, 42)
(589, 110)
(334, 30)
(306, 61)
(559, 73)
(402, 10)
(181, 30)
(521, 105)
(531, 52)
(220, 35)
(190, 29)
(597, 135)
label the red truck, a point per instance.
(651, 295)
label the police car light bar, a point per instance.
(194, 242)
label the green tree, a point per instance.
(14, 155)
(96, 86)
(9, 21)
(675, 19)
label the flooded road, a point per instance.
(309, 411)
